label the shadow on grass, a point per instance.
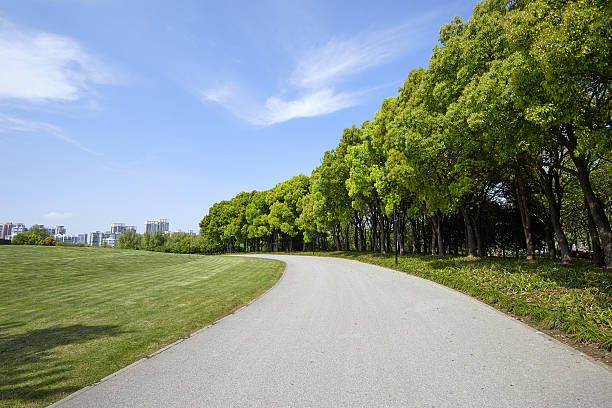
(30, 371)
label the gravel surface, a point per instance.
(339, 333)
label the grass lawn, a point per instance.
(71, 316)
(576, 299)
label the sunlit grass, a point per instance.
(71, 316)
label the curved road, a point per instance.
(335, 333)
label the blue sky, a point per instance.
(115, 111)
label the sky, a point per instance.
(115, 111)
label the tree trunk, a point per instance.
(521, 196)
(550, 239)
(433, 236)
(470, 240)
(440, 219)
(554, 209)
(382, 234)
(596, 208)
(401, 236)
(337, 237)
(416, 248)
(424, 235)
(347, 241)
(598, 258)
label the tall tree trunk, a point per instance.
(433, 235)
(440, 219)
(337, 237)
(521, 196)
(374, 232)
(596, 207)
(550, 239)
(598, 257)
(470, 240)
(424, 235)
(416, 247)
(382, 234)
(546, 182)
(347, 241)
(401, 235)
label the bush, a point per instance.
(48, 242)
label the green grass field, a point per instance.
(71, 316)
(576, 299)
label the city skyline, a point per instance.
(8, 229)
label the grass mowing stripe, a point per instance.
(70, 316)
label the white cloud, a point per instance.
(39, 66)
(343, 57)
(276, 109)
(315, 77)
(54, 214)
(16, 124)
(318, 103)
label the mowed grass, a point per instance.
(71, 316)
(576, 299)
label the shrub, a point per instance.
(49, 241)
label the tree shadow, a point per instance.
(29, 369)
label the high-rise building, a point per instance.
(130, 228)
(162, 225)
(6, 230)
(82, 239)
(73, 239)
(18, 228)
(95, 238)
(59, 229)
(111, 240)
(117, 228)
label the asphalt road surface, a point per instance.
(339, 333)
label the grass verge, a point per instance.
(573, 299)
(71, 316)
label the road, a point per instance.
(339, 333)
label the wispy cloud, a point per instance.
(16, 124)
(40, 66)
(54, 214)
(317, 74)
(276, 109)
(344, 57)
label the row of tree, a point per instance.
(178, 242)
(503, 144)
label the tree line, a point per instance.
(503, 145)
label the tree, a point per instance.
(129, 240)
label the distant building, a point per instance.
(60, 229)
(162, 225)
(18, 228)
(95, 238)
(73, 239)
(110, 240)
(82, 239)
(190, 232)
(6, 230)
(117, 228)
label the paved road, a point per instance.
(336, 333)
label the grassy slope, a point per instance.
(576, 299)
(70, 316)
